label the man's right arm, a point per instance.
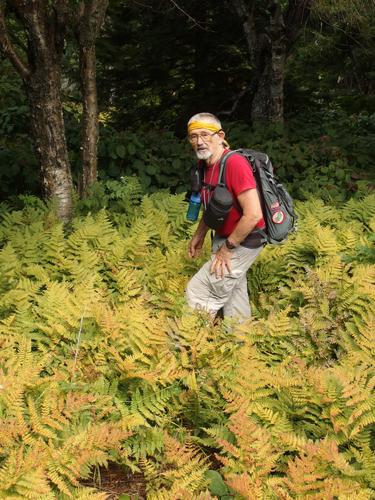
(196, 243)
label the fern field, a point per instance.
(101, 361)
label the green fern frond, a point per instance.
(152, 405)
(315, 209)
(174, 206)
(361, 210)
(11, 267)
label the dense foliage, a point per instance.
(101, 361)
(158, 64)
(331, 149)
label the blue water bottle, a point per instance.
(194, 207)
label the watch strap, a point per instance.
(229, 245)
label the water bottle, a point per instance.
(194, 207)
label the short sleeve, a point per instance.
(239, 175)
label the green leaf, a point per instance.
(217, 485)
(280, 172)
(121, 151)
(151, 169)
(145, 180)
(113, 170)
(340, 173)
(131, 149)
(112, 153)
(138, 165)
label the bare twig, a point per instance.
(237, 100)
(150, 7)
(196, 23)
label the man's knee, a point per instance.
(198, 297)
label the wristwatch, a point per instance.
(229, 245)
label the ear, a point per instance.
(221, 134)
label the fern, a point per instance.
(361, 210)
(251, 459)
(184, 475)
(321, 471)
(100, 359)
(49, 438)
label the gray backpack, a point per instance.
(277, 204)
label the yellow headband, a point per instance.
(208, 126)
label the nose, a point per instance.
(199, 140)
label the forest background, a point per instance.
(100, 361)
(293, 78)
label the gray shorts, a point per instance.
(205, 291)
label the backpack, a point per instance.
(276, 202)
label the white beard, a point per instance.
(203, 154)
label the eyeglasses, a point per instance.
(205, 136)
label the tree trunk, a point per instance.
(267, 53)
(90, 126)
(41, 76)
(268, 101)
(260, 103)
(47, 125)
(278, 58)
(90, 19)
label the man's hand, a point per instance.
(195, 246)
(221, 264)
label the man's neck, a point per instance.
(215, 157)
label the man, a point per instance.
(221, 282)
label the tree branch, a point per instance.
(8, 48)
(238, 97)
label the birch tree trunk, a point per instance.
(47, 124)
(40, 73)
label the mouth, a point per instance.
(203, 153)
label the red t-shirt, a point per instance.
(238, 178)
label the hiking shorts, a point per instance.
(206, 292)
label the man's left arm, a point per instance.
(251, 215)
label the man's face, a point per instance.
(205, 143)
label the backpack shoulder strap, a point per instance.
(221, 177)
(223, 162)
(250, 154)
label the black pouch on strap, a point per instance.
(218, 208)
(221, 201)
